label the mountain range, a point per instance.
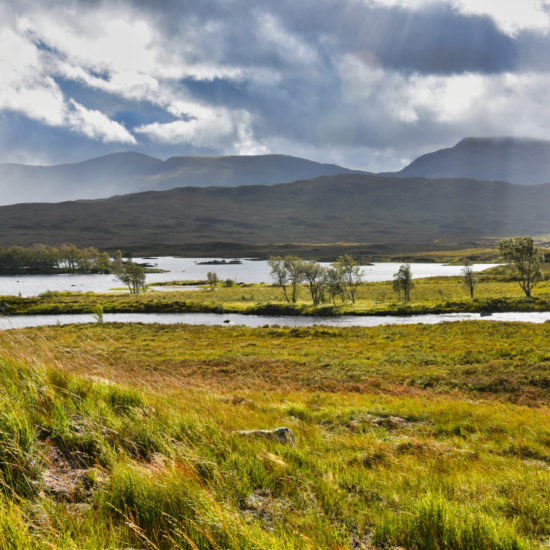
(513, 160)
(482, 188)
(348, 208)
(128, 172)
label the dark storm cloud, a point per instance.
(400, 38)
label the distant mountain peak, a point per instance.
(518, 160)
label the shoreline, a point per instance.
(11, 306)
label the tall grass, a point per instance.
(89, 463)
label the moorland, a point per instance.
(347, 209)
(117, 436)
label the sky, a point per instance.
(368, 84)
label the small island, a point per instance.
(41, 259)
(220, 262)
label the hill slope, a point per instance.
(522, 161)
(132, 172)
(330, 209)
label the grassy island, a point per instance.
(496, 291)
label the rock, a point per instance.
(66, 485)
(66, 478)
(282, 435)
(262, 505)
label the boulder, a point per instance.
(282, 435)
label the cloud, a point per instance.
(512, 16)
(96, 125)
(28, 87)
(369, 83)
(208, 127)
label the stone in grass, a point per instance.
(281, 435)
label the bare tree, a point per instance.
(334, 285)
(293, 267)
(131, 274)
(314, 274)
(212, 278)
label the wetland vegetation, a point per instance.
(496, 290)
(417, 437)
(413, 436)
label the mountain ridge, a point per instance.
(524, 161)
(129, 172)
(329, 209)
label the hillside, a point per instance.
(331, 209)
(521, 161)
(128, 172)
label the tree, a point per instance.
(279, 273)
(402, 282)
(103, 262)
(70, 254)
(350, 274)
(131, 274)
(333, 284)
(314, 274)
(526, 260)
(212, 278)
(294, 269)
(470, 280)
(118, 265)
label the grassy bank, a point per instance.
(418, 437)
(496, 291)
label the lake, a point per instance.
(250, 271)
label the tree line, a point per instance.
(520, 254)
(43, 259)
(340, 280)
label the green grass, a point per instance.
(414, 436)
(496, 291)
(508, 360)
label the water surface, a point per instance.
(262, 320)
(189, 269)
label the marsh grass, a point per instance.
(152, 460)
(496, 291)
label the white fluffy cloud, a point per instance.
(27, 87)
(96, 125)
(113, 51)
(207, 127)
